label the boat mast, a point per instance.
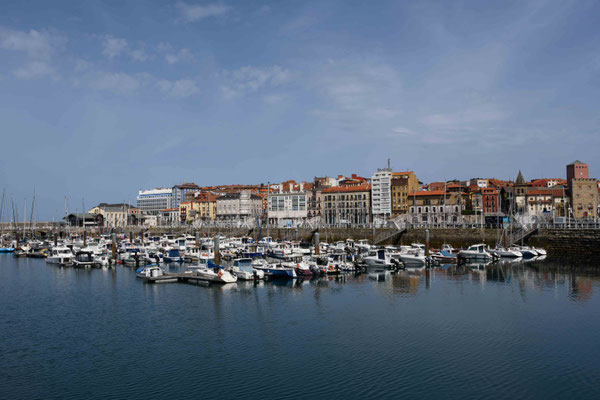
(24, 217)
(2, 211)
(32, 212)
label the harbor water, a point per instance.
(509, 330)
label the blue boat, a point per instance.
(7, 249)
(278, 271)
(173, 256)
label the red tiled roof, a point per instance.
(343, 189)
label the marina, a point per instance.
(437, 331)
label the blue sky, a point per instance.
(101, 99)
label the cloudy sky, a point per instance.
(101, 99)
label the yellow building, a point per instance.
(204, 207)
(402, 183)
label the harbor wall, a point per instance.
(557, 241)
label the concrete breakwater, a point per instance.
(557, 241)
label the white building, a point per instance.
(239, 207)
(154, 200)
(381, 193)
(287, 209)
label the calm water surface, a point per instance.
(522, 330)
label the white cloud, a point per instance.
(33, 70)
(139, 55)
(112, 46)
(119, 83)
(179, 88)
(181, 55)
(249, 79)
(82, 65)
(37, 45)
(465, 118)
(196, 12)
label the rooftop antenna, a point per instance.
(389, 164)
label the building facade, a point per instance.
(152, 201)
(239, 207)
(577, 170)
(346, 205)
(584, 198)
(117, 215)
(490, 200)
(437, 207)
(287, 209)
(381, 193)
(401, 184)
(180, 191)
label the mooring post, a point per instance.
(317, 249)
(114, 246)
(426, 242)
(217, 252)
(198, 239)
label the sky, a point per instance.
(101, 99)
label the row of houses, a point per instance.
(358, 201)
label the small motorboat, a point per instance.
(476, 252)
(153, 271)
(84, 259)
(277, 271)
(60, 255)
(212, 273)
(243, 270)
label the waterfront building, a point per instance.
(179, 192)
(242, 207)
(577, 170)
(79, 219)
(401, 185)
(117, 215)
(479, 182)
(584, 198)
(206, 205)
(546, 201)
(287, 209)
(313, 198)
(583, 190)
(520, 194)
(152, 201)
(381, 193)
(169, 217)
(346, 205)
(490, 201)
(437, 207)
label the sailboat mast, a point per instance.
(24, 217)
(32, 212)
(2, 211)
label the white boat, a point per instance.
(60, 255)
(84, 259)
(214, 274)
(508, 252)
(380, 258)
(153, 271)
(242, 269)
(540, 251)
(528, 251)
(476, 252)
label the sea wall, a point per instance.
(557, 241)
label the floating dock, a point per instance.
(172, 277)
